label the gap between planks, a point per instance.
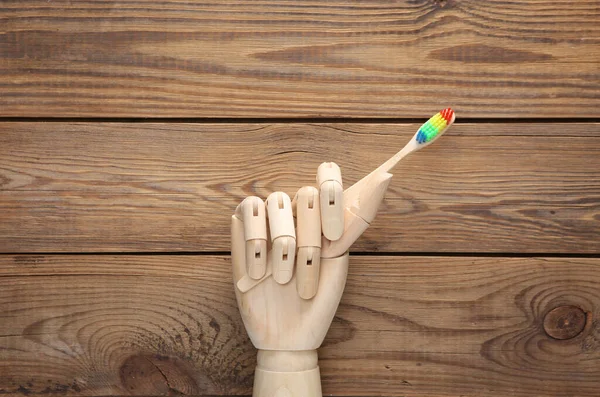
(291, 120)
(359, 253)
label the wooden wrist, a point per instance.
(287, 374)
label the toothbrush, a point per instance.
(362, 200)
(426, 135)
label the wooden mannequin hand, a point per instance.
(289, 297)
(277, 318)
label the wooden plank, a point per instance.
(418, 326)
(304, 58)
(110, 187)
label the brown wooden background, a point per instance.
(129, 131)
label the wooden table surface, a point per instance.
(130, 130)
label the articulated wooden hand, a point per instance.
(289, 279)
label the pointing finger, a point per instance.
(360, 212)
(329, 179)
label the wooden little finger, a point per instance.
(255, 233)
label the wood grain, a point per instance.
(110, 187)
(175, 58)
(419, 326)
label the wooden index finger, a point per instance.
(331, 193)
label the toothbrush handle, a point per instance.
(395, 159)
(351, 195)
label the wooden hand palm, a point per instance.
(275, 315)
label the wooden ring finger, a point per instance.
(283, 236)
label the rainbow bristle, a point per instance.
(434, 126)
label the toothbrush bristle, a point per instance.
(432, 128)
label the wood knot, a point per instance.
(565, 322)
(157, 375)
